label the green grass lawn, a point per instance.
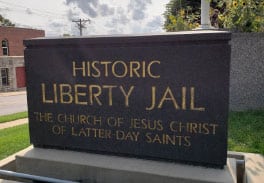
(245, 134)
(13, 139)
(246, 131)
(12, 117)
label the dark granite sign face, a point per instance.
(155, 96)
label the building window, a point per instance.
(4, 76)
(5, 47)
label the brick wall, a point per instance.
(15, 37)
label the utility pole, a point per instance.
(81, 24)
(205, 17)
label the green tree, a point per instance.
(5, 22)
(244, 16)
(182, 15)
(236, 15)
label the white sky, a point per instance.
(107, 16)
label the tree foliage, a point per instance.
(244, 16)
(182, 15)
(236, 15)
(5, 22)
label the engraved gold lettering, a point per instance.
(146, 124)
(43, 93)
(143, 69)
(81, 68)
(58, 130)
(95, 94)
(118, 69)
(183, 98)
(88, 68)
(149, 69)
(214, 128)
(110, 93)
(43, 116)
(153, 99)
(114, 69)
(168, 96)
(106, 64)
(91, 132)
(65, 94)
(94, 66)
(193, 127)
(166, 139)
(115, 121)
(126, 94)
(134, 67)
(187, 140)
(79, 94)
(192, 105)
(127, 136)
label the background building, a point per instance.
(12, 68)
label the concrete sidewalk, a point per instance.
(13, 123)
(254, 167)
(5, 94)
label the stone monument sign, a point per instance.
(159, 97)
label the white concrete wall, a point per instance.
(11, 62)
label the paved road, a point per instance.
(13, 102)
